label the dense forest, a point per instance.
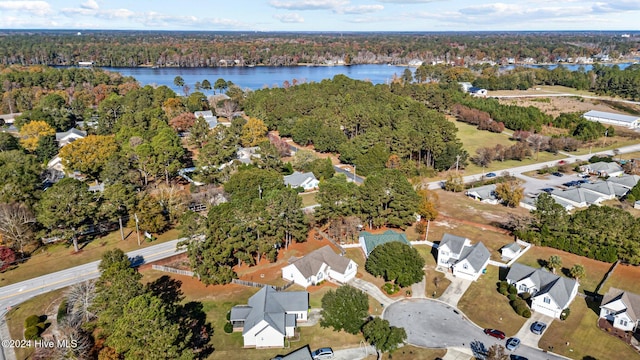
(210, 49)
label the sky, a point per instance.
(321, 15)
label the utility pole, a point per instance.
(457, 161)
(426, 233)
(260, 192)
(121, 230)
(135, 215)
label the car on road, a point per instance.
(583, 181)
(547, 190)
(322, 353)
(517, 357)
(490, 175)
(538, 327)
(571, 183)
(557, 174)
(495, 333)
(512, 344)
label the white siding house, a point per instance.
(621, 309)
(320, 265)
(307, 180)
(64, 138)
(550, 293)
(461, 258)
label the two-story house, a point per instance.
(461, 258)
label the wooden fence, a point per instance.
(260, 285)
(171, 270)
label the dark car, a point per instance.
(557, 174)
(512, 344)
(548, 190)
(538, 327)
(495, 333)
(490, 175)
(583, 181)
(322, 353)
(518, 357)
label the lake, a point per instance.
(260, 76)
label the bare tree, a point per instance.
(497, 352)
(80, 297)
(16, 225)
(539, 142)
(172, 200)
(226, 108)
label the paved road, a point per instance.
(12, 295)
(349, 173)
(517, 171)
(433, 324)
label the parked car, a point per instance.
(557, 174)
(583, 181)
(538, 327)
(322, 353)
(512, 344)
(495, 333)
(518, 357)
(490, 175)
(547, 190)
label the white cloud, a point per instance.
(289, 18)
(308, 4)
(90, 4)
(407, 1)
(361, 9)
(39, 8)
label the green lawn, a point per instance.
(486, 307)
(61, 256)
(472, 138)
(579, 337)
(624, 277)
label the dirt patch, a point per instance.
(556, 105)
(624, 277)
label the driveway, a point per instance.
(418, 289)
(455, 290)
(372, 290)
(354, 353)
(526, 336)
(434, 324)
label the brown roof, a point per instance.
(310, 264)
(631, 300)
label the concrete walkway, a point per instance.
(313, 318)
(454, 292)
(526, 336)
(458, 353)
(418, 289)
(354, 353)
(372, 290)
(5, 353)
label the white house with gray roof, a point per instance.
(208, 116)
(604, 117)
(270, 317)
(628, 181)
(485, 194)
(319, 265)
(608, 189)
(307, 180)
(510, 251)
(621, 308)
(603, 168)
(461, 258)
(73, 134)
(578, 197)
(550, 293)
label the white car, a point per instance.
(322, 353)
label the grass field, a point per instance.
(58, 257)
(624, 277)
(308, 199)
(579, 337)
(485, 306)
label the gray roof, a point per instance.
(601, 187)
(297, 178)
(204, 114)
(271, 306)
(477, 255)
(603, 166)
(557, 287)
(626, 180)
(310, 264)
(484, 192)
(577, 195)
(453, 242)
(303, 353)
(631, 300)
(62, 135)
(514, 246)
(612, 116)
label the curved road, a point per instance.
(15, 294)
(434, 324)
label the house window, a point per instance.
(547, 300)
(349, 267)
(320, 276)
(523, 288)
(623, 322)
(465, 266)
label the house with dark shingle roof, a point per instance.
(270, 317)
(550, 293)
(369, 241)
(461, 258)
(320, 265)
(621, 309)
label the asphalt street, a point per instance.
(12, 295)
(434, 324)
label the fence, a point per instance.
(260, 285)
(171, 270)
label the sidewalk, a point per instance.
(6, 353)
(458, 353)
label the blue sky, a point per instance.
(321, 15)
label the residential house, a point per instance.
(208, 116)
(369, 241)
(485, 194)
(461, 258)
(73, 134)
(478, 92)
(603, 169)
(550, 293)
(626, 180)
(307, 180)
(270, 316)
(578, 197)
(245, 155)
(621, 308)
(630, 122)
(320, 265)
(303, 353)
(510, 251)
(529, 203)
(607, 189)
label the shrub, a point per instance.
(32, 320)
(390, 288)
(512, 289)
(31, 333)
(512, 297)
(228, 315)
(62, 311)
(503, 288)
(525, 296)
(526, 313)
(228, 328)
(565, 314)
